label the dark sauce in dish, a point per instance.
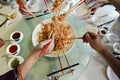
(16, 35)
(102, 31)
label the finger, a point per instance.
(43, 43)
(93, 35)
(50, 48)
(88, 38)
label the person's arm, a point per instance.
(112, 61)
(98, 46)
(26, 66)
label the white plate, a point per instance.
(111, 75)
(37, 29)
(20, 58)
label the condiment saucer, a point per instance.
(20, 58)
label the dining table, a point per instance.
(91, 65)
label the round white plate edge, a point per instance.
(108, 71)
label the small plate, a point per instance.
(111, 75)
(14, 52)
(116, 47)
(20, 58)
(18, 36)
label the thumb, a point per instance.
(50, 48)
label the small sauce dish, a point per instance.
(116, 47)
(17, 36)
(13, 49)
(15, 61)
(112, 37)
(103, 31)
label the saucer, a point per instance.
(13, 50)
(19, 58)
(17, 36)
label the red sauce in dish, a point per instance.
(16, 35)
(13, 49)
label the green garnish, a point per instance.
(15, 63)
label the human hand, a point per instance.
(25, 11)
(94, 43)
(23, 8)
(42, 44)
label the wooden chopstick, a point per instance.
(75, 38)
(60, 63)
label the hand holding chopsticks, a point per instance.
(94, 41)
(47, 46)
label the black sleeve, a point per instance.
(10, 75)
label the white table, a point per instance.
(96, 69)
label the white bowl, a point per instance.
(116, 47)
(17, 36)
(112, 37)
(12, 50)
(20, 58)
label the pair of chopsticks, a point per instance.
(71, 71)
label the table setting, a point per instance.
(79, 59)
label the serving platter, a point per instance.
(35, 39)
